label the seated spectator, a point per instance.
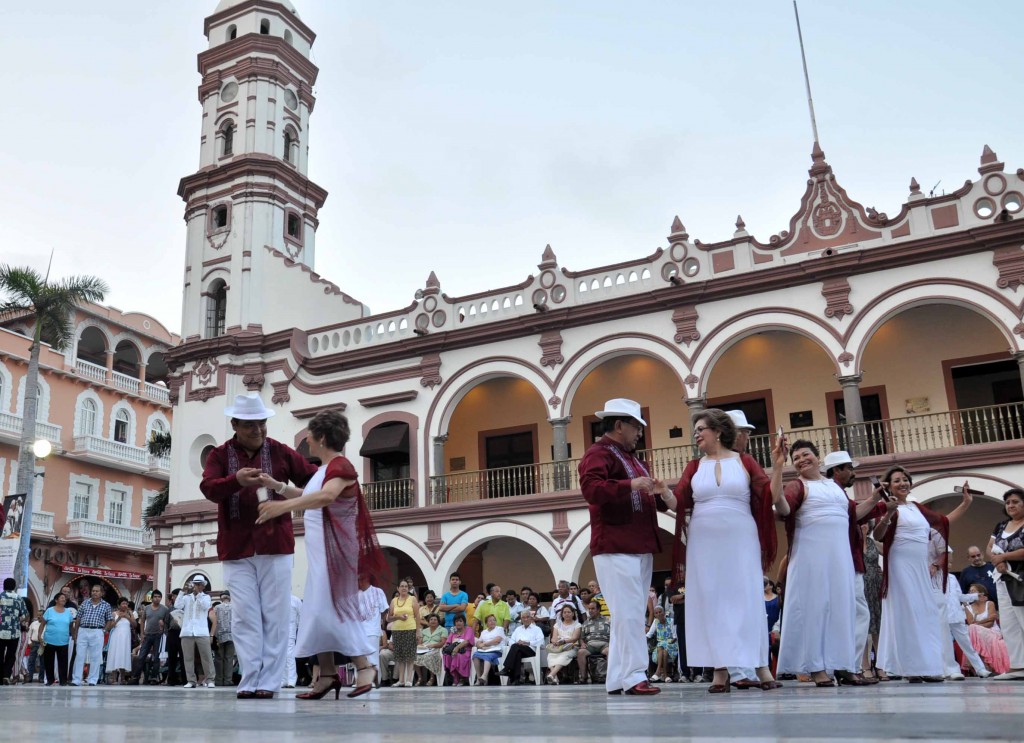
(594, 636)
(565, 642)
(488, 649)
(983, 626)
(471, 613)
(428, 653)
(386, 669)
(541, 616)
(515, 606)
(494, 605)
(525, 642)
(666, 648)
(596, 595)
(564, 596)
(456, 653)
(429, 607)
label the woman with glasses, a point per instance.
(730, 542)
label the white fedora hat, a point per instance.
(249, 408)
(739, 419)
(837, 458)
(621, 407)
(198, 579)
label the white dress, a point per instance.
(909, 641)
(321, 630)
(818, 632)
(119, 647)
(726, 623)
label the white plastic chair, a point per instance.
(533, 662)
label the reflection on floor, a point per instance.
(972, 710)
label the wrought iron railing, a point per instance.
(913, 434)
(387, 494)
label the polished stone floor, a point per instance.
(972, 710)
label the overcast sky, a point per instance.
(461, 137)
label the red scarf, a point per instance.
(935, 520)
(760, 509)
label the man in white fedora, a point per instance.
(840, 468)
(257, 558)
(624, 501)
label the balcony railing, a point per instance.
(42, 521)
(125, 382)
(114, 451)
(387, 494)
(157, 392)
(90, 370)
(101, 531)
(910, 435)
(11, 423)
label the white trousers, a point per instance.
(90, 650)
(862, 622)
(262, 594)
(1011, 622)
(291, 675)
(958, 631)
(740, 673)
(625, 581)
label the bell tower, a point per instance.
(251, 211)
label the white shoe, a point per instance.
(986, 675)
(210, 685)
(189, 685)
(668, 680)
(655, 679)
(955, 677)
(1009, 676)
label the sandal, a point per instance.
(719, 689)
(769, 685)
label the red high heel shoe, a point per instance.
(335, 685)
(362, 688)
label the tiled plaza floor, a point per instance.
(967, 711)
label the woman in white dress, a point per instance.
(119, 644)
(818, 633)
(341, 546)
(564, 643)
(728, 544)
(910, 639)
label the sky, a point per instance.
(462, 137)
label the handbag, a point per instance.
(562, 648)
(447, 648)
(1014, 587)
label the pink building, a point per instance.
(99, 402)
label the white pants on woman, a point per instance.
(1011, 622)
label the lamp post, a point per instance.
(40, 450)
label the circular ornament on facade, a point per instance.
(669, 270)
(1012, 202)
(290, 99)
(422, 321)
(229, 92)
(995, 184)
(547, 279)
(439, 318)
(430, 304)
(146, 324)
(677, 252)
(558, 294)
(691, 267)
(539, 297)
(984, 208)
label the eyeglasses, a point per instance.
(698, 430)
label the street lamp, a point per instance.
(40, 450)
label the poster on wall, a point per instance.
(10, 538)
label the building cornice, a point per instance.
(253, 165)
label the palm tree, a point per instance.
(27, 294)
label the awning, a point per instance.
(105, 573)
(386, 440)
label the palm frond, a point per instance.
(22, 285)
(50, 303)
(159, 444)
(156, 506)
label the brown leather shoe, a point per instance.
(643, 689)
(746, 684)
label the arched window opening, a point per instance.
(294, 226)
(220, 217)
(232, 32)
(216, 309)
(265, 26)
(229, 139)
(289, 140)
(288, 37)
(121, 423)
(87, 418)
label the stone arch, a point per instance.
(42, 401)
(592, 356)
(80, 330)
(394, 541)
(474, 374)
(97, 428)
(735, 329)
(127, 354)
(117, 407)
(152, 420)
(899, 299)
(457, 549)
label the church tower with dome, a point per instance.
(251, 209)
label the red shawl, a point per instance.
(760, 509)
(352, 550)
(795, 493)
(935, 520)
